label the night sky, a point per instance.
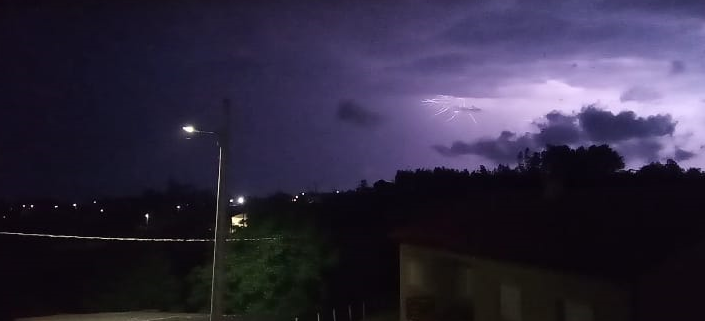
(93, 94)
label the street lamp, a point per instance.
(221, 230)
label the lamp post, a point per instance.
(221, 231)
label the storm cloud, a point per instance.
(633, 136)
(353, 113)
(605, 127)
(682, 154)
(287, 65)
(640, 94)
(677, 67)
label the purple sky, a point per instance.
(93, 95)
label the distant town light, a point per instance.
(94, 201)
(189, 129)
(296, 197)
(178, 207)
(101, 210)
(23, 206)
(56, 206)
(337, 191)
(74, 205)
(146, 215)
(241, 200)
(31, 205)
(232, 200)
(302, 193)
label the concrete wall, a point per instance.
(473, 285)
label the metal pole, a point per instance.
(221, 215)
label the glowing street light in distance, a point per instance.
(189, 129)
(241, 200)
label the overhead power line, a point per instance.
(131, 239)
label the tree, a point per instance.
(278, 267)
(581, 162)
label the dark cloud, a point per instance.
(492, 27)
(558, 129)
(351, 112)
(437, 64)
(692, 7)
(604, 126)
(633, 136)
(682, 154)
(640, 94)
(677, 67)
(503, 149)
(539, 34)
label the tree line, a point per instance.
(330, 249)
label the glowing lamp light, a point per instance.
(189, 129)
(101, 210)
(23, 206)
(74, 205)
(178, 207)
(146, 215)
(56, 206)
(232, 200)
(94, 201)
(31, 205)
(241, 200)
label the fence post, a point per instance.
(334, 314)
(318, 316)
(349, 313)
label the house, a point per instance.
(237, 221)
(455, 271)
(437, 284)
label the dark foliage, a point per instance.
(573, 201)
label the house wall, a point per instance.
(468, 288)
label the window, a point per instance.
(510, 303)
